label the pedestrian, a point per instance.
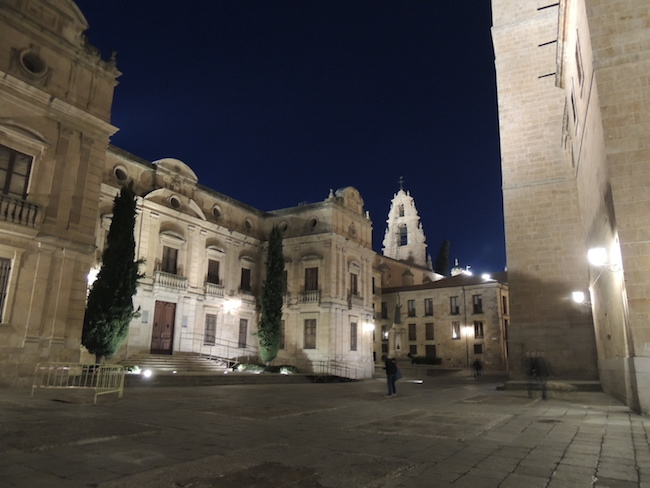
(390, 365)
(478, 367)
(538, 372)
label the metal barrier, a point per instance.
(336, 368)
(100, 378)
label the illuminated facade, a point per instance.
(55, 99)
(204, 258)
(455, 320)
(573, 109)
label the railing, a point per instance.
(336, 368)
(169, 280)
(18, 211)
(355, 300)
(100, 378)
(312, 296)
(218, 349)
(212, 289)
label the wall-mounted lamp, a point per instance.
(231, 306)
(579, 297)
(368, 326)
(597, 256)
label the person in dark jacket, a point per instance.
(390, 365)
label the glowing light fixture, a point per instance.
(578, 296)
(231, 306)
(597, 256)
(92, 276)
(147, 373)
(368, 327)
(486, 276)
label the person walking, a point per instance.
(478, 367)
(390, 365)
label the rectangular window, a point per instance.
(428, 328)
(384, 310)
(310, 334)
(413, 336)
(411, 308)
(311, 279)
(504, 302)
(430, 350)
(245, 284)
(455, 331)
(353, 336)
(428, 307)
(403, 235)
(213, 272)
(384, 332)
(478, 329)
(413, 349)
(14, 172)
(5, 271)
(374, 289)
(478, 348)
(354, 284)
(169, 260)
(243, 332)
(453, 306)
(285, 281)
(477, 303)
(282, 329)
(210, 333)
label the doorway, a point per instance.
(162, 335)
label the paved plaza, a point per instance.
(446, 431)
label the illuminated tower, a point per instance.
(404, 239)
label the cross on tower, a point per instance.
(401, 182)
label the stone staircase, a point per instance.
(194, 370)
(179, 363)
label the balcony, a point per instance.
(17, 211)
(355, 300)
(311, 296)
(214, 290)
(169, 280)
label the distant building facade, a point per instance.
(573, 98)
(455, 320)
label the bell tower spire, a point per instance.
(404, 239)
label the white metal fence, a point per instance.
(99, 378)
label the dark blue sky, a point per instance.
(274, 102)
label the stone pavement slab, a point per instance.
(450, 431)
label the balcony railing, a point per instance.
(18, 211)
(214, 290)
(311, 296)
(355, 300)
(169, 280)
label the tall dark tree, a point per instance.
(269, 330)
(110, 303)
(441, 266)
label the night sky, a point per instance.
(274, 102)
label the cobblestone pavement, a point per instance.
(449, 431)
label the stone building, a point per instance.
(456, 320)
(55, 107)
(422, 313)
(204, 266)
(573, 97)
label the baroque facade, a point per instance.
(204, 266)
(55, 100)
(573, 97)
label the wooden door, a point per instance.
(162, 335)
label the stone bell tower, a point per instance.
(404, 239)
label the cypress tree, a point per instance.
(109, 309)
(269, 330)
(441, 265)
